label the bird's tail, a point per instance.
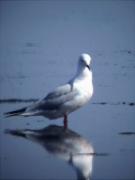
(15, 113)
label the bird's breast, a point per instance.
(85, 92)
(85, 87)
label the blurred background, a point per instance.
(40, 43)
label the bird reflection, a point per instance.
(65, 144)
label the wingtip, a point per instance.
(14, 113)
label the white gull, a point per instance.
(66, 98)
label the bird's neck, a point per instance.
(83, 72)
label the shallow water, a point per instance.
(39, 52)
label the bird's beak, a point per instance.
(88, 67)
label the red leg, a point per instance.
(65, 121)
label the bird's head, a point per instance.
(85, 60)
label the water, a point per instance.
(39, 52)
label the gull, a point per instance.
(65, 98)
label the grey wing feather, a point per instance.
(59, 92)
(55, 99)
(61, 95)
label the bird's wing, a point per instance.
(59, 91)
(56, 98)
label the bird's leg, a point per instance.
(65, 122)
